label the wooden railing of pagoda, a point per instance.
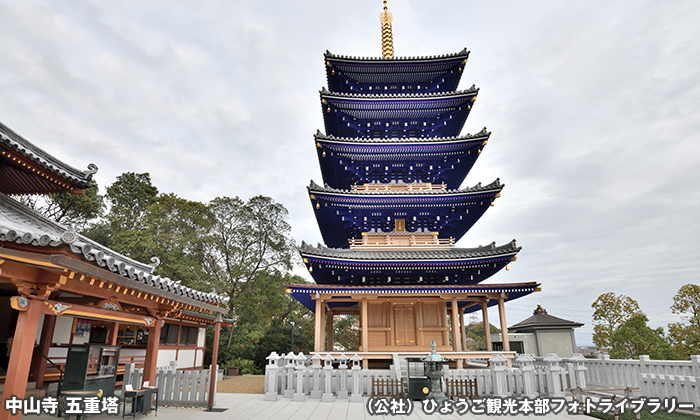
(422, 186)
(400, 241)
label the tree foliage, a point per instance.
(685, 336)
(611, 311)
(242, 249)
(634, 337)
(129, 198)
(74, 210)
(346, 332)
(251, 242)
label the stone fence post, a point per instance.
(579, 370)
(498, 372)
(328, 377)
(526, 362)
(299, 368)
(271, 372)
(316, 369)
(554, 387)
(356, 381)
(695, 365)
(605, 376)
(343, 377)
(289, 390)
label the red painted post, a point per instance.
(44, 346)
(22, 349)
(149, 365)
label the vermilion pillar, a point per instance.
(149, 368)
(44, 346)
(113, 333)
(22, 349)
(214, 356)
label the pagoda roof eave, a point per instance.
(495, 186)
(329, 138)
(472, 91)
(18, 144)
(304, 292)
(464, 53)
(447, 254)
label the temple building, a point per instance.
(541, 334)
(59, 288)
(392, 207)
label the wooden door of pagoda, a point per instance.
(404, 321)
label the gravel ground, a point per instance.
(246, 384)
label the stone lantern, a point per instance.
(433, 370)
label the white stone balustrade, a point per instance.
(529, 377)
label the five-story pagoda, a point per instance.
(391, 208)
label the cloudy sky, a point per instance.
(594, 108)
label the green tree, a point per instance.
(610, 312)
(129, 198)
(475, 337)
(177, 231)
(142, 224)
(250, 240)
(634, 337)
(75, 210)
(685, 335)
(346, 332)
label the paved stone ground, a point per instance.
(246, 384)
(252, 406)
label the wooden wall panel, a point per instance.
(377, 314)
(433, 314)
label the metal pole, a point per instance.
(292, 322)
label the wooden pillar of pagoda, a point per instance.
(504, 325)
(487, 326)
(364, 332)
(318, 329)
(456, 339)
(22, 349)
(329, 331)
(463, 330)
(43, 350)
(149, 368)
(214, 359)
(114, 332)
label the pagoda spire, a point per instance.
(387, 38)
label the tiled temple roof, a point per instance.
(494, 186)
(364, 96)
(464, 53)
(22, 225)
(542, 320)
(490, 250)
(304, 292)
(16, 143)
(484, 133)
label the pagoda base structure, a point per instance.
(399, 321)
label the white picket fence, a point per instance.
(299, 376)
(625, 372)
(654, 378)
(189, 388)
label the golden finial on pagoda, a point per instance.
(387, 38)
